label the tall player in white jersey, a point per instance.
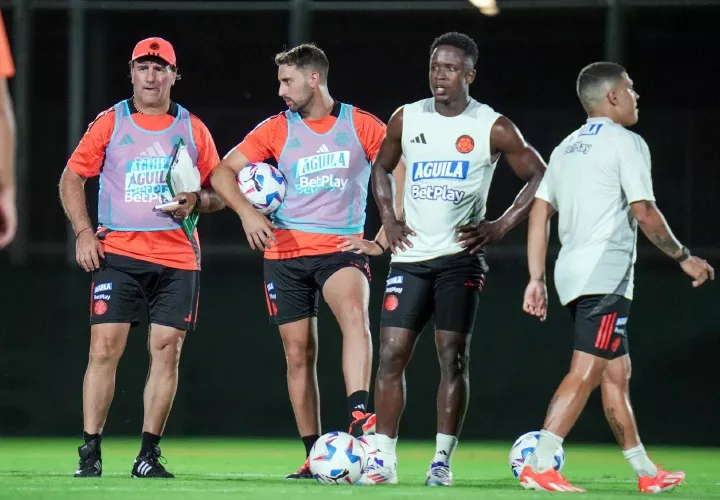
(599, 183)
(451, 145)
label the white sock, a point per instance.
(444, 448)
(386, 449)
(640, 461)
(543, 458)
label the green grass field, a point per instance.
(214, 468)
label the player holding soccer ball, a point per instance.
(451, 145)
(599, 182)
(323, 148)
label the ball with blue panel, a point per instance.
(337, 458)
(263, 185)
(523, 446)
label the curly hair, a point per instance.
(459, 40)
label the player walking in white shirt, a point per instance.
(599, 183)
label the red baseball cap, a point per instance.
(155, 47)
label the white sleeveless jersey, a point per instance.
(449, 170)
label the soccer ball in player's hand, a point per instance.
(263, 185)
(337, 458)
(522, 448)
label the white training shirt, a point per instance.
(593, 177)
(449, 170)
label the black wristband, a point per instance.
(685, 255)
(198, 203)
(381, 247)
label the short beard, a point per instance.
(300, 107)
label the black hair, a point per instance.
(461, 41)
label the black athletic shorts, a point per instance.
(124, 288)
(601, 324)
(448, 286)
(292, 286)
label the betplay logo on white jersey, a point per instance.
(432, 170)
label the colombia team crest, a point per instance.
(465, 144)
(100, 307)
(391, 302)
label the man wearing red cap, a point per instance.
(144, 261)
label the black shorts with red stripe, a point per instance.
(601, 324)
(447, 287)
(292, 286)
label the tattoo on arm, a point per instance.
(666, 242)
(618, 429)
(657, 230)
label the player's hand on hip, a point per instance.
(479, 234)
(359, 246)
(258, 229)
(397, 232)
(535, 299)
(698, 269)
(88, 250)
(187, 206)
(8, 218)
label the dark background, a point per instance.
(232, 371)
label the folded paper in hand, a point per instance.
(183, 177)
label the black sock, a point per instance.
(309, 441)
(357, 401)
(92, 437)
(149, 441)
